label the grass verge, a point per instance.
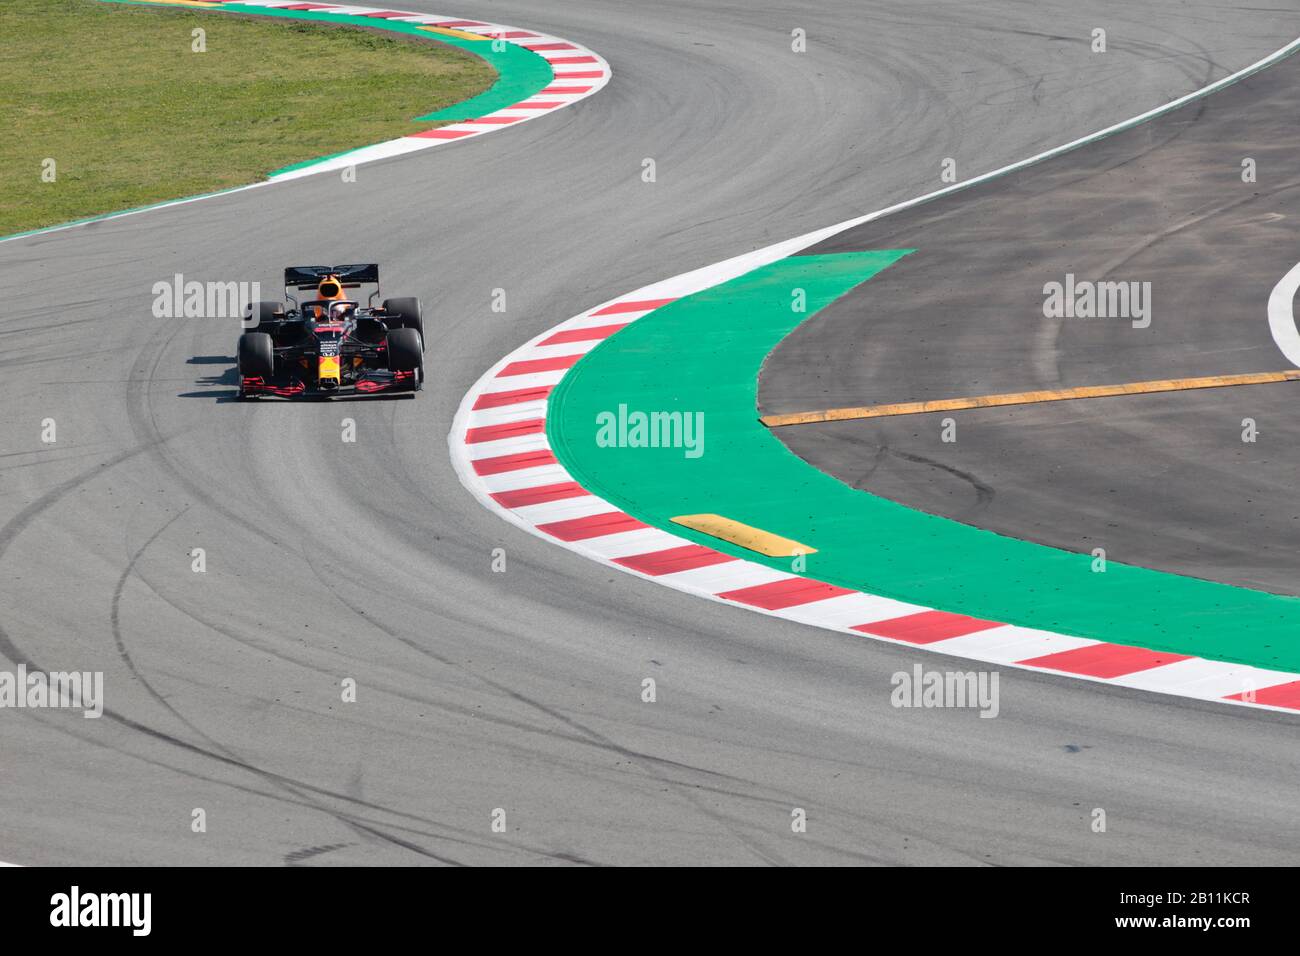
(131, 115)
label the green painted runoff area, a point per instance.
(703, 353)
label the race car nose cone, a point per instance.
(327, 373)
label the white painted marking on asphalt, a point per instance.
(517, 445)
(1207, 679)
(1009, 644)
(1281, 315)
(714, 579)
(626, 544)
(849, 610)
(509, 383)
(563, 509)
(562, 349)
(505, 414)
(524, 478)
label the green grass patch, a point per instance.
(131, 115)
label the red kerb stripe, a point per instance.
(530, 426)
(589, 334)
(593, 526)
(788, 592)
(502, 463)
(529, 366)
(646, 305)
(1279, 695)
(1104, 660)
(512, 397)
(539, 494)
(926, 627)
(442, 134)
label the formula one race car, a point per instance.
(331, 344)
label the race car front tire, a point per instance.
(405, 313)
(405, 352)
(256, 355)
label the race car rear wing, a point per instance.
(354, 276)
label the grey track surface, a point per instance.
(521, 690)
(1161, 481)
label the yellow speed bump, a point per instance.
(1028, 398)
(459, 34)
(755, 539)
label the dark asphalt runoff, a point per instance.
(1161, 481)
(521, 690)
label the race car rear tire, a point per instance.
(405, 313)
(263, 314)
(405, 352)
(256, 355)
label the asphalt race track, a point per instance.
(521, 690)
